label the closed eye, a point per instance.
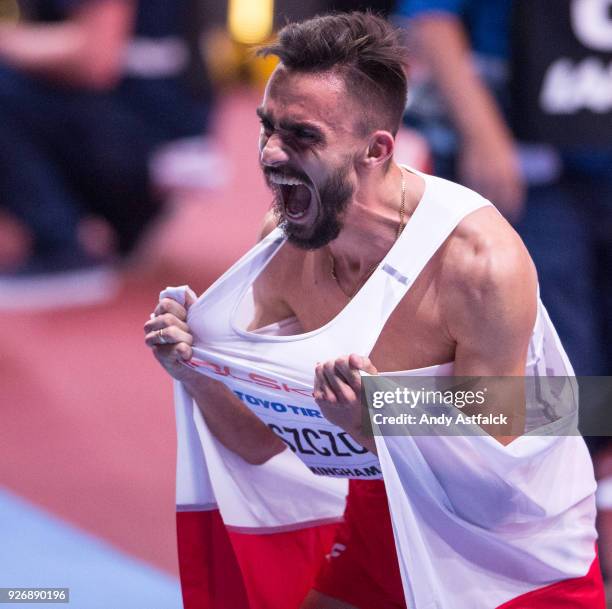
(268, 127)
(306, 135)
(300, 132)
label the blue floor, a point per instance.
(39, 551)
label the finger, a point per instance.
(326, 392)
(320, 386)
(168, 336)
(164, 320)
(349, 375)
(184, 351)
(179, 351)
(361, 362)
(317, 391)
(341, 389)
(189, 299)
(168, 305)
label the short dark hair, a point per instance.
(363, 48)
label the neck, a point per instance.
(371, 224)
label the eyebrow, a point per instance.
(292, 126)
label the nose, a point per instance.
(272, 151)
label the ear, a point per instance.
(380, 148)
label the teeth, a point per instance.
(285, 181)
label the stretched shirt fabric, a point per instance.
(476, 523)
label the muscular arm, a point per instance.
(84, 51)
(490, 306)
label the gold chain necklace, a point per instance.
(400, 228)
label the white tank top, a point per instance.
(273, 373)
(476, 523)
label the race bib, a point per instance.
(289, 410)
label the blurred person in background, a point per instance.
(514, 98)
(89, 89)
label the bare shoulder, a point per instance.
(488, 281)
(485, 251)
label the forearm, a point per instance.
(45, 49)
(440, 43)
(232, 423)
(83, 51)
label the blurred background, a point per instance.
(128, 162)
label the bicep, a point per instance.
(493, 324)
(492, 346)
(496, 347)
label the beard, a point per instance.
(334, 197)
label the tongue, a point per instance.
(297, 200)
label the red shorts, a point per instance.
(361, 568)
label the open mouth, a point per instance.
(296, 196)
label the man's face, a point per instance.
(307, 146)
